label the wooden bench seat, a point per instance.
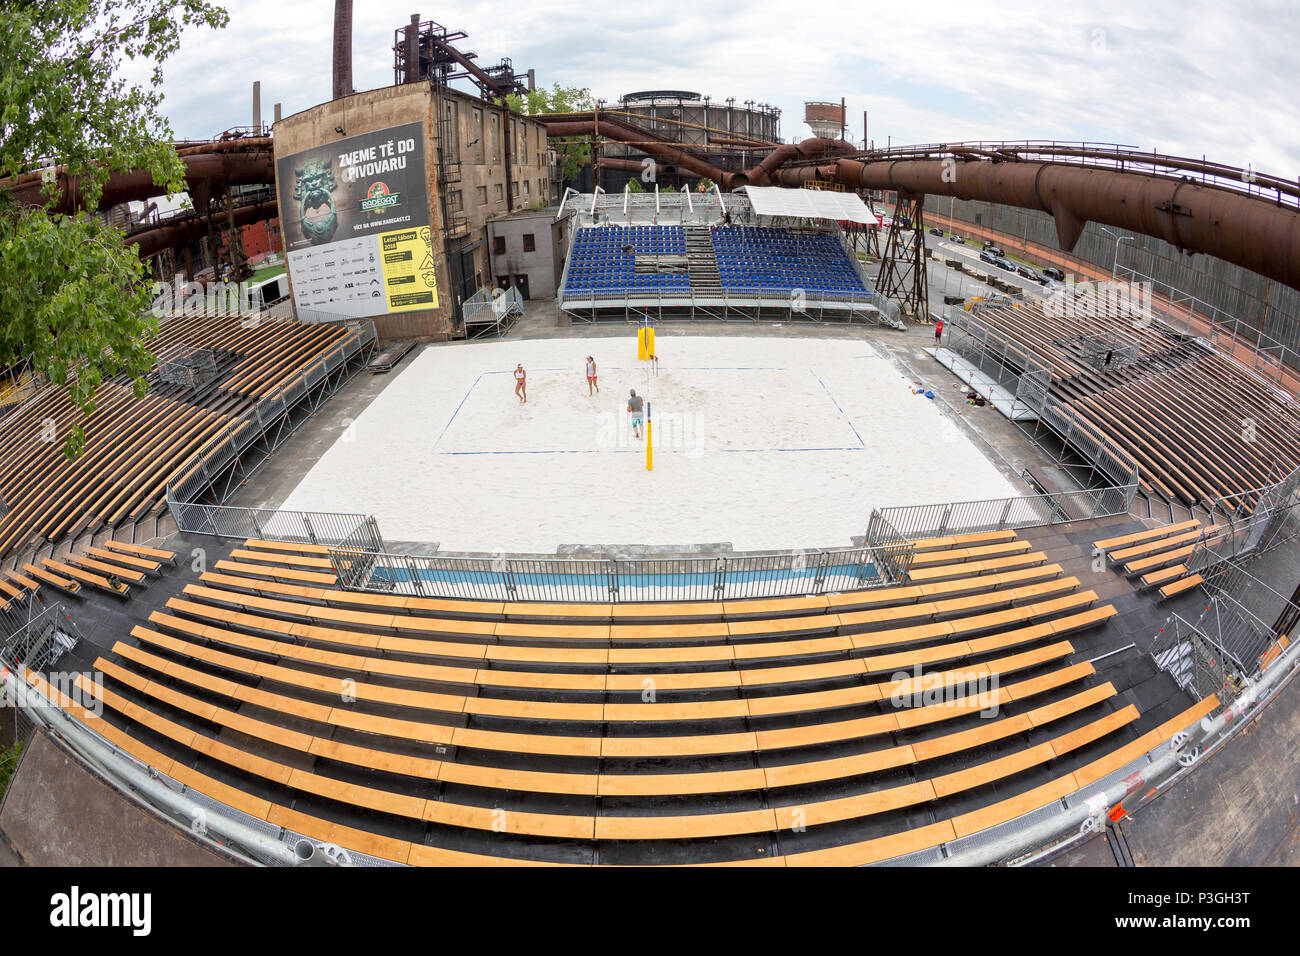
(1162, 576)
(126, 560)
(874, 850)
(1156, 546)
(962, 540)
(614, 827)
(980, 553)
(87, 577)
(66, 585)
(141, 551)
(1142, 565)
(23, 581)
(277, 573)
(1107, 544)
(973, 568)
(282, 558)
(1178, 587)
(91, 564)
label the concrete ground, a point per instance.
(57, 813)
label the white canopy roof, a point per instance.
(809, 204)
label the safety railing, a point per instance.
(612, 580)
(912, 522)
(1273, 361)
(307, 527)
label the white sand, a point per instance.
(760, 442)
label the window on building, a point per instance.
(499, 192)
(499, 246)
(530, 243)
(455, 199)
(528, 188)
(482, 195)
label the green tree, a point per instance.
(574, 152)
(634, 185)
(73, 295)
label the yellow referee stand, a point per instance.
(645, 351)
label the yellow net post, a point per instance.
(649, 449)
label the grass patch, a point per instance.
(8, 764)
(268, 272)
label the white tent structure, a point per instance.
(777, 201)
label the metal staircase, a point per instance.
(702, 263)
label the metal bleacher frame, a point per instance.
(671, 208)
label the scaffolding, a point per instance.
(187, 367)
(1105, 353)
(1224, 648)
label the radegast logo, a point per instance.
(77, 909)
(378, 197)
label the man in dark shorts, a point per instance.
(636, 408)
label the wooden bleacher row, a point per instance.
(133, 446)
(112, 568)
(270, 560)
(1157, 555)
(403, 851)
(526, 705)
(1198, 426)
(221, 647)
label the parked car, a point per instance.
(993, 247)
(1054, 273)
(959, 240)
(1002, 262)
(1026, 272)
(989, 257)
(904, 222)
(936, 231)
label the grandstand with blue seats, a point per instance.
(759, 258)
(672, 254)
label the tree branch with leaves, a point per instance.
(73, 296)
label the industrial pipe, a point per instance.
(152, 241)
(1254, 233)
(213, 162)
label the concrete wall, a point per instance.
(474, 191)
(1259, 302)
(544, 265)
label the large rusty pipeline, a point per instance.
(1246, 230)
(212, 163)
(1254, 233)
(148, 242)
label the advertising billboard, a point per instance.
(355, 219)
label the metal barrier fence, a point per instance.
(310, 527)
(612, 580)
(41, 640)
(494, 307)
(911, 522)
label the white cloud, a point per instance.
(1189, 77)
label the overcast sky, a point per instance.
(1185, 77)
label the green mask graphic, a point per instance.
(313, 187)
